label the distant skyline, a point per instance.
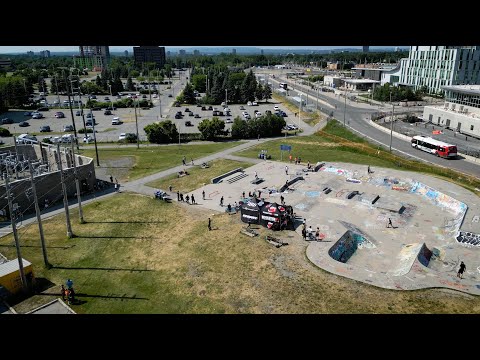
(36, 48)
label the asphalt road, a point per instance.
(357, 116)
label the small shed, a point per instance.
(10, 275)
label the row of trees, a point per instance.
(13, 93)
(236, 87)
(398, 93)
(165, 132)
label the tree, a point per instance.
(239, 129)
(188, 96)
(162, 132)
(259, 92)
(129, 84)
(42, 85)
(267, 92)
(199, 82)
(210, 129)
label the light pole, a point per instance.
(136, 122)
(391, 122)
(94, 136)
(111, 95)
(345, 108)
(226, 101)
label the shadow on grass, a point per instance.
(39, 246)
(113, 237)
(98, 268)
(110, 296)
(124, 222)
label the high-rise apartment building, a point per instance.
(95, 58)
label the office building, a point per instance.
(365, 48)
(234, 51)
(125, 53)
(45, 53)
(434, 67)
(460, 111)
(149, 54)
(182, 53)
(196, 52)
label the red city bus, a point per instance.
(434, 146)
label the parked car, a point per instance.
(24, 124)
(43, 109)
(190, 113)
(188, 123)
(78, 113)
(26, 139)
(242, 107)
(187, 110)
(210, 107)
(170, 95)
(197, 116)
(59, 115)
(204, 108)
(228, 121)
(116, 121)
(249, 103)
(254, 103)
(37, 115)
(67, 138)
(45, 128)
(276, 108)
(68, 128)
(27, 113)
(107, 112)
(122, 136)
(87, 139)
(90, 116)
(7, 121)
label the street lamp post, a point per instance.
(111, 95)
(345, 108)
(136, 122)
(391, 122)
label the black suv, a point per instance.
(7, 121)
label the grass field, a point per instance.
(130, 163)
(198, 176)
(136, 254)
(336, 144)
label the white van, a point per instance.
(116, 121)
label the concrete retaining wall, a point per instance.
(48, 185)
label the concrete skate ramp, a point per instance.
(368, 198)
(405, 259)
(389, 205)
(346, 246)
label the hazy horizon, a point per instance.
(36, 49)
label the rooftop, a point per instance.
(361, 81)
(463, 89)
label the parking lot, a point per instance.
(163, 108)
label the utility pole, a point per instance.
(56, 85)
(77, 183)
(15, 234)
(94, 136)
(345, 108)
(136, 122)
(64, 190)
(39, 217)
(71, 110)
(391, 122)
(226, 101)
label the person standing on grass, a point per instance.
(63, 291)
(461, 270)
(203, 194)
(209, 224)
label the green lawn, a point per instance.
(130, 163)
(198, 176)
(139, 255)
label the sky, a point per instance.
(36, 49)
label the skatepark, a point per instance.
(435, 224)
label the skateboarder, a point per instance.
(389, 223)
(462, 268)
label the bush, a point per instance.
(47, 141)
(82, 130)
(4, 132)
(130, 137)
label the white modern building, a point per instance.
(439, 66)
(332, 81)
(460, 112)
